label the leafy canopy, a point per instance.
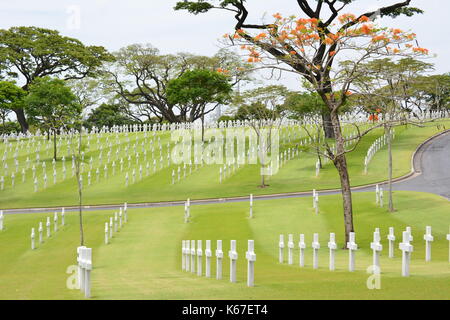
(51, 105)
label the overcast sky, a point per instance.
(117, 23)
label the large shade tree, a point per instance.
(311, 47)
(31, 52)
(197, 89)
(52, 106)
(11, 97)
(141, 74)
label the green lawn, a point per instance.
(144, 259)
(296, 175)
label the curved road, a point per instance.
(431, 173)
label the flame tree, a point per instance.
(326, 51)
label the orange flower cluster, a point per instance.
(421, 50)
(292, 35)
(220, 70)
(373, 117)
(347, 17)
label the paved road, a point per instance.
(431, 174)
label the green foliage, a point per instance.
(304, 104)
(225, 118)
(199, 87)
(51, 105)
(261, 103)
(11, 96)
(108, 115)
(38, 52)
(9, 127)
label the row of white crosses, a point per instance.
(374, 148)
(405, 246)
(89, 174)
(116, 223)
(48, 228)
(84, 260)
(192, 259)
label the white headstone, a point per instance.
(291, 249)
(332, 246)
(251, 258)
(1, 220)
(219, 258)
(32, 239)
(428, 239)
(199, 258)
(187, 255)
(208, 255)
(352, 247)
(302, 246)
(233, 255)
(106, 233)
(406, 249)
(193, 256)
(391, 238)
(48, 227)
(281, 249)
(316, 246)
(448, 239)
(376, 247)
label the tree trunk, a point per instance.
(203, 128)
(54, 144)
(328, 126)
(80, 191)
(20, 115)
(389, 143)
(340, 162)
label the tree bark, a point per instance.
(327, 126)
(389, 142)
(54, 144)
(20, 115)
(340, 162)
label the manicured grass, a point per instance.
(144, 259)
(296, 175)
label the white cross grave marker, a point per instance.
(316, 246)
(41, 229)
(233, 255)
(302, 246)
(251, 258)
(281, 249)
(187, 255)
(219, 258)
(332, 246)
(32, 239)
(290, 249)
(428, 239)
(199, 258)
(48, 227)
(352, 247)
(391, 238)
(193, 256)
(208, 255)
(376, 247)
(106, 233)
(406, 249)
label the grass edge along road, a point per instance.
(143, 261)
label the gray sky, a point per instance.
(117, 23)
